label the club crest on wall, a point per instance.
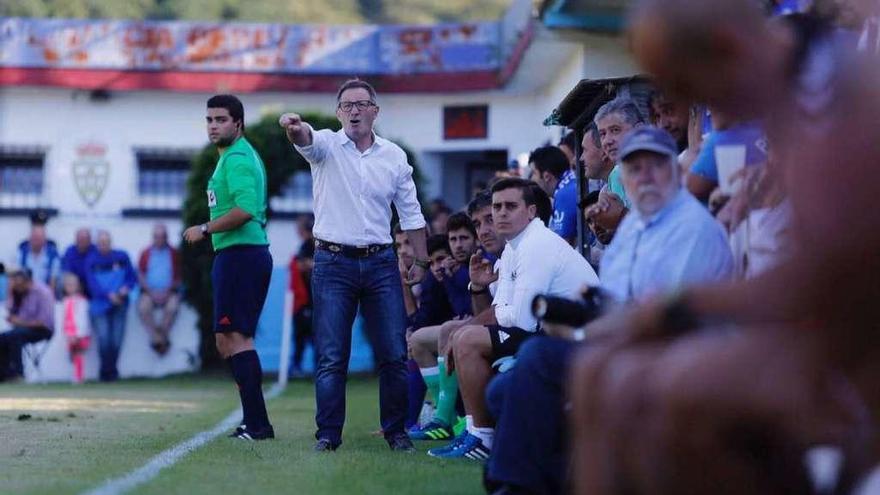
(91, 171)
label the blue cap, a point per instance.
(648, 138)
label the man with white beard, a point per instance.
(668, 239)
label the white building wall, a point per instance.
(61, 120)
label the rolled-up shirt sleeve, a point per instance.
(316, 152)
(406, 200)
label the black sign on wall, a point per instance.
(466, 122)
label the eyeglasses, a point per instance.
(362, 105)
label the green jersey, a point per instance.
(239, 180)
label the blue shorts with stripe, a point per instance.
(241, 281)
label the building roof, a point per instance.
(242, 57)
(592, 15)
(581, 103)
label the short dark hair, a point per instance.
(438, 242)
(525, 186)
(20, 272)
(461, 220)
(482, 199)
(549, 159)
(356, 83)
(231, 103)
(592, 127)
(569, 140)
(397, 230)
(543, 205)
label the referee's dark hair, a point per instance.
(230, 103)
(461, 220)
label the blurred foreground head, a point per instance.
(720, 52)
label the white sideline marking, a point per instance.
(169, 457)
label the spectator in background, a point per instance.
(678, 245)
(75, 256)
(301, 265)
(597, 165)
(429, 342)
(462, 239)
(669, 238)
(411, 298)
(614, 120)
(567, 145)
(111, 278)
(728, 140)
(439, 219)
(671, 116)
(76, 323)
(40, 255)
(160, 281)
(535, 261)
(543, 204)
(551, 171)
(602, 225)
(31, 308)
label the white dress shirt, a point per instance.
(353, 191)
(537, 261)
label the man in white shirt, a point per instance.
(356, 175)
(535, 261)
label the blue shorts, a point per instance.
(241, 281)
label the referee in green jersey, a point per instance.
(242, 265)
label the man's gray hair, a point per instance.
(625, 107)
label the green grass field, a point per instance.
(67, 439)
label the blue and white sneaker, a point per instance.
(470, 448)
(454, 444)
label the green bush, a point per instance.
(281, 162)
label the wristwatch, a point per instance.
(204, 228)
(476, 292)
(424, 264)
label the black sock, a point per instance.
(248, 375)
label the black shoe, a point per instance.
(238, 431)
(401, 443)
(325, 445)
(244, 433)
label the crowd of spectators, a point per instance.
(711, 253)
(92, 284)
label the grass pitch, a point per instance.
(68, 439)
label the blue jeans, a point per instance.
(110, 329)
(530, 449)
(339, 285)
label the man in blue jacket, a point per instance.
(110, 278)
